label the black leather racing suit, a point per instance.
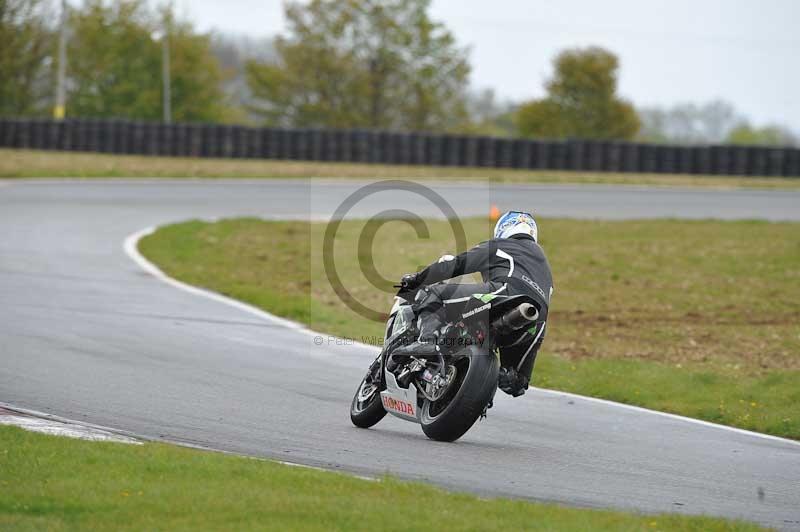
(509, 266)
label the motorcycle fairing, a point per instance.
(399, 401)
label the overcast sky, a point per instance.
(744, 51)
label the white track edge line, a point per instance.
(131, 249)
(130, 246)
(67, 421)
(677, 417)
(137, 438)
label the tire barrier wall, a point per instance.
(383, 147)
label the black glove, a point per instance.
(511, 382)
(409, 281)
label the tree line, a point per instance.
(382, 64)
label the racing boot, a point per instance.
(512, 382)
(428, 341)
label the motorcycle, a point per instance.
(447, 392)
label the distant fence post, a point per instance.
(758, 161)
(360, 145)
(557, 155)
(574, 154)
(402, 149)
(344, 150)
(596, 155)
(775, 161)
(630, 157)
(612, 160)
(648, 162)
(486, 152)
(520, 153)
(791, 164)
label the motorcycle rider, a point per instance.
(511, 263)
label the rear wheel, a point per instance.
(473, 387)
(366, 408)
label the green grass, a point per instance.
(51, 483)
(32, 163)
(699, 318)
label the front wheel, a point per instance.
(474, 384)
(366, 408)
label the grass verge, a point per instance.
(699, 318)
(52, 483)
(32, 163)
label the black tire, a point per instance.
(464, 405)
(367, 413)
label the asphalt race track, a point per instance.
(86, 334)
